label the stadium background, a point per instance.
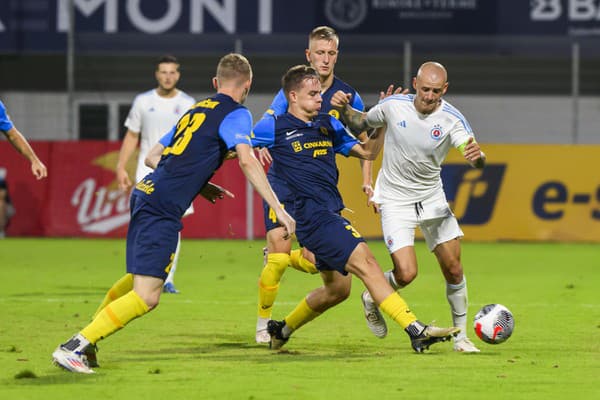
(525, 74)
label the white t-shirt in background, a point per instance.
(152, 116)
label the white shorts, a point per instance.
(433, 215)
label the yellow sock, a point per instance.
(300, 316)
(118, 289)
(398, 310)
(297, 261)
(268, 283)
(115, 316)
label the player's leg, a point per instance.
(151, 244)
(303, 260)
(277, 260)
(121, 287)
(398, 225)
(362, 263)
(137, 302)
(335, 289)
(448, 255)
(442, 236)
(169, 286)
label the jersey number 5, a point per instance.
(188, 124)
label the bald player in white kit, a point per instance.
(153, 114)
(421, 129)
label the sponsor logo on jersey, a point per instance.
(436, 132)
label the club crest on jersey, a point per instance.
(324, 131)
(389, 241)
(436, 132)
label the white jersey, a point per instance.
(152, 116)
(415, 147)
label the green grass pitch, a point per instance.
(200, 344)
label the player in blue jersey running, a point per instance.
(202, 138)
(303, 143)
(322, 54)
(38, 169)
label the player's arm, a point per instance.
(472, 153)
(355, 120)
(256, 175)
(153, 156)
(19, 142)
(130, 143)
(278, 106)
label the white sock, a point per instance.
(389, 275)
(171, 276)
(261, 324)
(459, 303)
(286, 332)
(76, 343)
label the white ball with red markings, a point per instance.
(494, 323)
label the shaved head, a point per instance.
(432, 71)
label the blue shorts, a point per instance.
(328, 235)
(151, 240)
(286, 199)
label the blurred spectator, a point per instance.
(37, 167)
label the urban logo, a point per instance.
(472, 193)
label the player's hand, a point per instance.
(368, 190)
(38, 169)
(473, 153)
(264, 156)
(230, 155)
(390, 91)
(340, 99)
(212, 192)
(123, 180)
(286, 220)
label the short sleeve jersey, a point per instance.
(415, 147)
(152, 116)
(305, 154)
(5, 122)
(279, 105)
(197, 148)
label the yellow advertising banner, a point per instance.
(526, 192)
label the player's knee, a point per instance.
(336, 294)
(453, 270)
(405, 277)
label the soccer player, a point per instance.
(153, 114)
(303, 143)
(202, 138)
(421, 129)
(38, 169)
(322, 54)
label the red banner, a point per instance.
(80, 196)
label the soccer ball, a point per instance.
(494, 323)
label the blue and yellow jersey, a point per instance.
(279, 105)
(305, 154)
(5, 122)
(196, 149)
